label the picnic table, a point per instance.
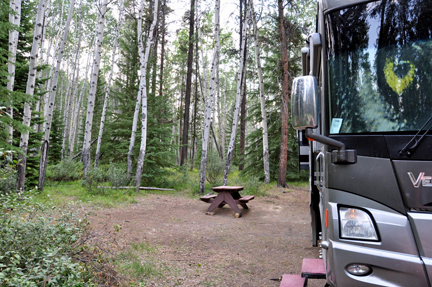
(227, 195)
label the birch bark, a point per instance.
(31, 80)
(107, 92)
(143, 91)
(53, 70)
(15, 19)
(162, 49)
(77, 108)
(48, 118)
(237, 107)
(266, 160)
(93, 86)
(138, 99)
(72, 94)
(209, 99)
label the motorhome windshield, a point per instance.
(379, 60)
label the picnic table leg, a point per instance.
(231, 202)
(244, 205)
(236, 195)
(216, 202)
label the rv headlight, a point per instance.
(356, 224)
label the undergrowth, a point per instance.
(41, 245)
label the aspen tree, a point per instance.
(71, 95)
(14, 19)
(53, 69)
(107, 92)
(261, 96)
(138, 99)
(31, 81)
(230, 152)
(209, 99)
(50, 103)
(143, 90)
(77, 108)
(93, 86)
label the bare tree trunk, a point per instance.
(41, 59)
(281, 182)
(47, 125)
(31, 80)
(261, 96)
(93, 87)
(223, 118)
(14, 19)
(162, 49)
(185, 138)
(143, 90)
(107, 92)
(237, 107)
(243, 95)
(209, 99)
(53, 67)
(77, 108)
(220, 116)
(74, 86)
(194, 134)
(243, 115)
(137, 102)
(66, 112)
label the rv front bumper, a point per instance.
(387, 268)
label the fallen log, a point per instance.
(130, 187)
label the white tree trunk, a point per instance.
(266, 160)
(77, 111)
(93, 86)
(72, 94)
(15, 19)
(107, 92)
(138, 99)
(209, 100)
(41, 59)
(53, 65)
(237, 108)
(77, 108)
(143, 89)
(52, 94)
(31, 80)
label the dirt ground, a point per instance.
(270, 239)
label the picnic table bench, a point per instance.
(227, 195)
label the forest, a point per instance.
(121, 93)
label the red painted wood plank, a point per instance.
(292, 280)
(313, 266)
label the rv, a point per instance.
(363, 109)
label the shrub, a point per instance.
(94, 177)
(66, 170)
(215, 169)
(253, 186)
(117, 175)
(38, 244)
(7, 172)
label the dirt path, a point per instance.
(196, 249)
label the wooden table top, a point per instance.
(228, 188)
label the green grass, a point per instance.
(138, 262)
(183, 182)
(64, 192)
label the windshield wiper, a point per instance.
(408, 149)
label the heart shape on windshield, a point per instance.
(394, 81)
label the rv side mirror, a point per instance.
(304, 103)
